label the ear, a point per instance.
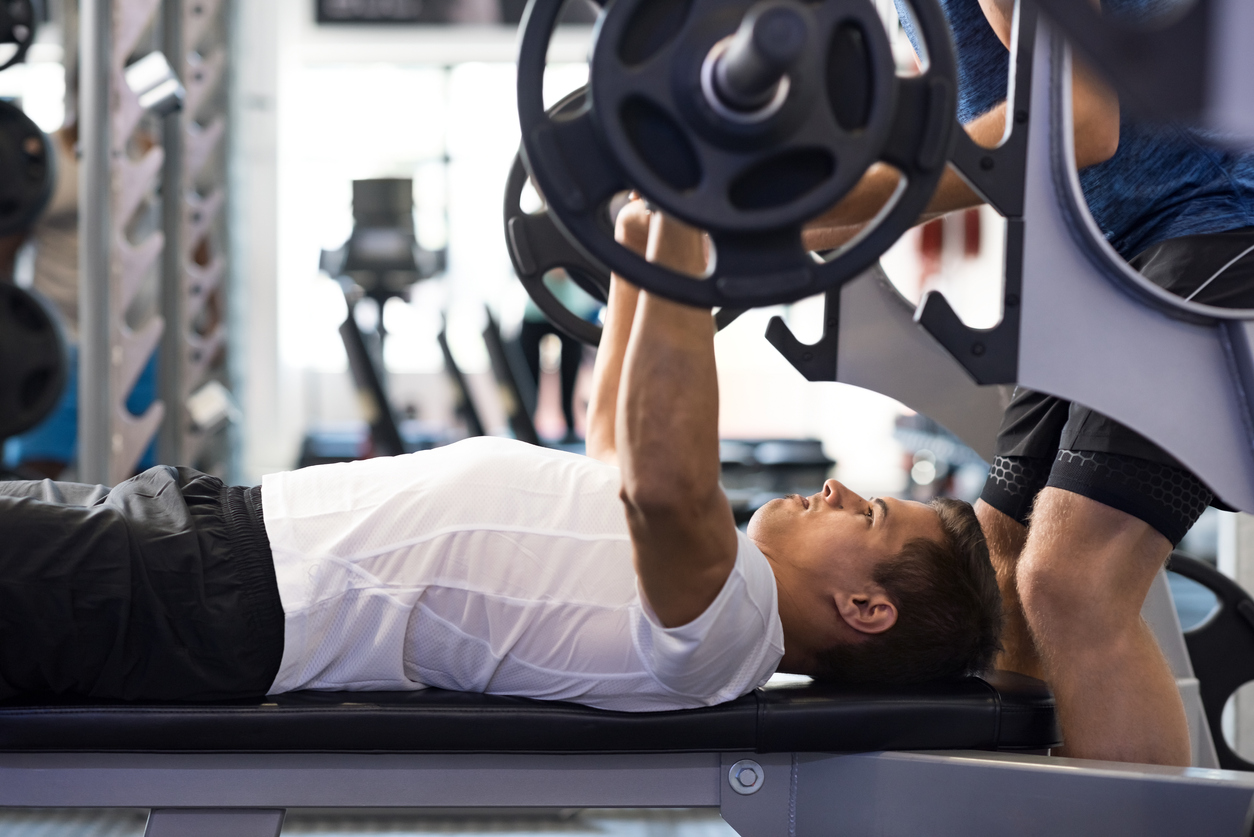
(869, 612)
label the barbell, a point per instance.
(744, 119)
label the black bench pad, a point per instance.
(999, 712)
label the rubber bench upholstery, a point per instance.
(998, 712)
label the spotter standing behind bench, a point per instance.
(495, 566)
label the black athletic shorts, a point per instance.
(1048, 441)
(162, 588)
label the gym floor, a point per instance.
(585, 823)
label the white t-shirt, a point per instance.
(495, 566)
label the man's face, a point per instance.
(828, 545)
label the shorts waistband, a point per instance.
(250, 548)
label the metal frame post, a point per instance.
(200, 253)
(95, 364)
(170, 381)
(114, 188)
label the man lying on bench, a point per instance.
(617, 580)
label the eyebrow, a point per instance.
(883, 509)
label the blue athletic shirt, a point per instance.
(1165, 181)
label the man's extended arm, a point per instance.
(631, 229)
(682, 530)
(1095, 113)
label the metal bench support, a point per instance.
(941, 793)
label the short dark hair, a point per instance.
(949, 616)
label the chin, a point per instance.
(754, 522)
(760, 523)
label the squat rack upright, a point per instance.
(182, 167)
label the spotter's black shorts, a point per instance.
(162, 588)
(1046, 441)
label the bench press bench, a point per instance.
(961, 757)
(233, 767)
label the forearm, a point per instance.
(620, 314)
(846, 219)
(682, 529)
(631, 230)
(668, 424)
(1095, 116)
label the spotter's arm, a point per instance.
(1095, 112)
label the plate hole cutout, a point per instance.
(849, 77)
(782, 179)
(661, 143)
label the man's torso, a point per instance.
(498, 567)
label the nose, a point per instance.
(837, 495)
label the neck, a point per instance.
(798, 651)
(809, 617)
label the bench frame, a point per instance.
(936, 793)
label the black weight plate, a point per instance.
(698, 164)
(32, 361)
(536, 246)
(27, 170)
(580, 161)
(17, 26)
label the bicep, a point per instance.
(683, 554)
